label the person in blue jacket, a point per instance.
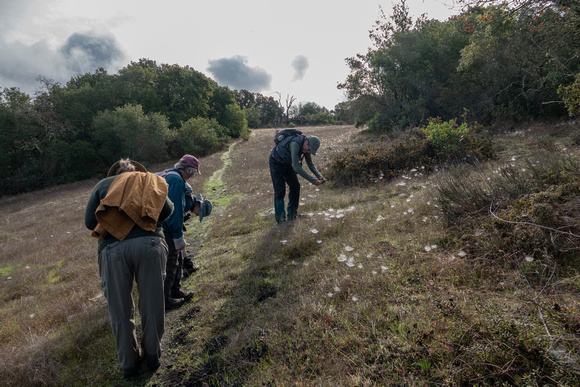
(176, 178)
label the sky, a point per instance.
(276, 48)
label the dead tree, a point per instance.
(289, 101)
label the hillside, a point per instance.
(370, 286)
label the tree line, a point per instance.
(516, 60)
(513, 61)
(149, 112)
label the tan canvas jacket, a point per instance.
(134, 198)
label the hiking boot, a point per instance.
(187, 271)
(152, 362)
(132, 371)
(153, 365)
(129, 372)
(181, 294)
(172, 303)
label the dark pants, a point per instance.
(283, 174)
(141, 260)
(173, 268)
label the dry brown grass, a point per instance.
(55, 323)
(400, 310)
(49, 284)
(365, 290)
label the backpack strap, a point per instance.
(301, 146)
(168, 172)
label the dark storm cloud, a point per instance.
(87, 52)
(235, 72)
(300, 65)
(21, 64)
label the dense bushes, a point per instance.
(417, 148)
(75, 131)
(492, 62)
(311, 113)
(234, 120)
(571, 96)
(199, 136)
(129, 131)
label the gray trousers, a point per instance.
(143, 260)
(173, 268)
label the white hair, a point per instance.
(125, 165)
(189, 170)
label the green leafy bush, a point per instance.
(253, 117)
(200, 137)
(129, 132)
(446, 137)
(66, 157)
(378, 123)
(571, 96)
(234, 119)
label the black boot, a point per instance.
(279, 212)
(173, 303)
(180, 294)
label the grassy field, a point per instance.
(374, 285)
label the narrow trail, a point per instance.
(175, 332)
(241, 171)
(216, 184)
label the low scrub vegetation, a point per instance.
(525, 209)
(419, 148)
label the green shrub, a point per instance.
(445, 137)
(253, 117)
(234, 119)
(67, 158)
(200, 137)
(378, 123)
(571, 96)
(129, 132)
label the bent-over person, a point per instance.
(124, 211)
(285, 163)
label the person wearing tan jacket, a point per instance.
(124, 211)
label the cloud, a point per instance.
(21, 64)
(87, 52)
(14, 13)
(235, 72)
(300, 65)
